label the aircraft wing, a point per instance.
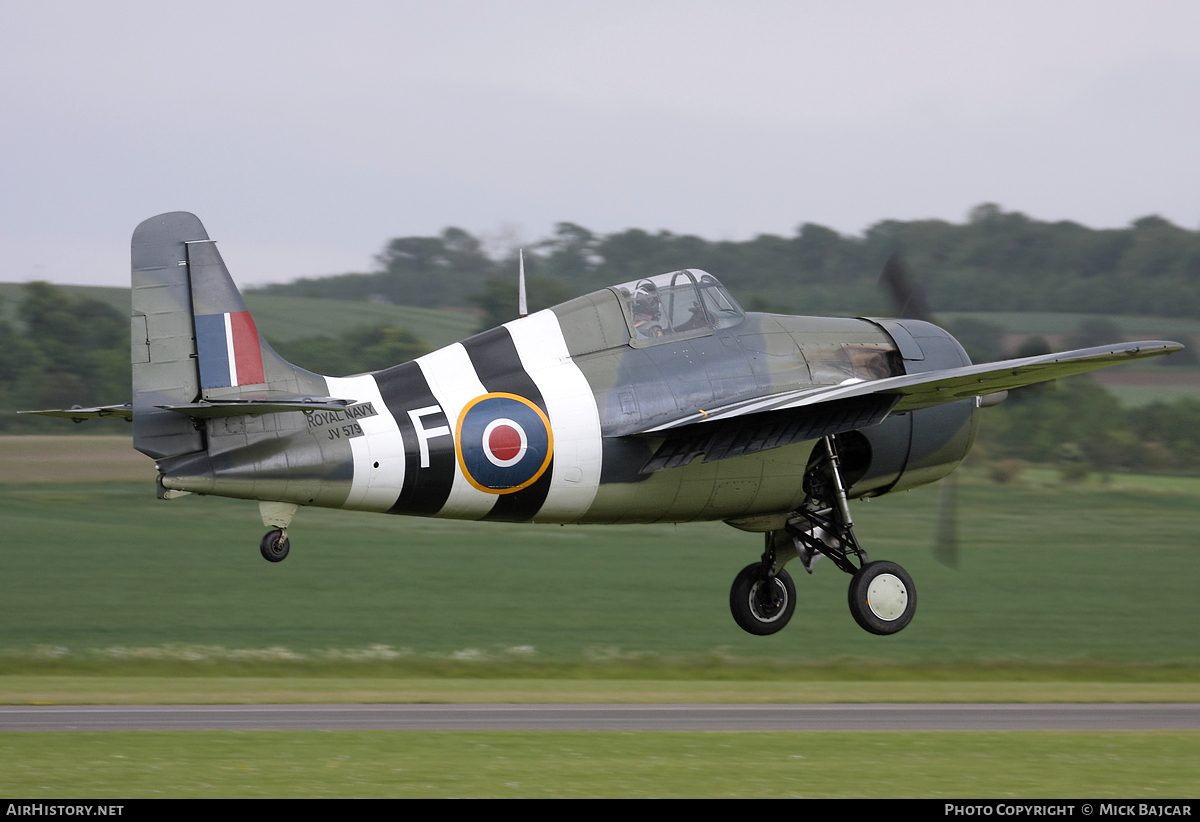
(786, 417)
(79, 414)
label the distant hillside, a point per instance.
(11, 295)
(291, 318)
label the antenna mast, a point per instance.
(522, 306)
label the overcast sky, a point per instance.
(307, 134)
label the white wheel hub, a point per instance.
(754, 603)
(887, 597)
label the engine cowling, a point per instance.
(914, 447)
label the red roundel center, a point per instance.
(504, 442)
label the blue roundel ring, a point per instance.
(503, 442)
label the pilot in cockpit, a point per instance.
(647, 313)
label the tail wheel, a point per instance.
(762, 606)
(882, 597)
(274, 546)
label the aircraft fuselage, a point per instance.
(530, 422)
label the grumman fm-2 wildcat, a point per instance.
(657, 400)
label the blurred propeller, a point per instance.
(909, 303)
(945, 542)
(908, 299)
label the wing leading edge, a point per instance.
(772, 421)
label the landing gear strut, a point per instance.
(882, 596)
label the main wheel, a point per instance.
(274, 546)
(761, 609)
(882, 597)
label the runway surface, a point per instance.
(707, 717)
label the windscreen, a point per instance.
(678, 305)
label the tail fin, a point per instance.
(192, 338)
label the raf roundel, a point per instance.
(504, 443)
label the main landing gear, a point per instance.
(882, 596)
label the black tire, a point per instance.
(755, 613)
(894, 595)
(274, 546)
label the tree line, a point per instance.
(994, 261)
(61, 352)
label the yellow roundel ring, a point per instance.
(503, 443)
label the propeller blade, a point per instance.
(945, 543)
(908, 302)
(907, 298)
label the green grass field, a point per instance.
(1051, 575)
(553, 764)
(596, 684)
(1065, 593)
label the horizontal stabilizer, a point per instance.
(79, 414)
(253, 406)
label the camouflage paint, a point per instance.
(575, 392)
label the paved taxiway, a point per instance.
(757, 717)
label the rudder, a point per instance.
(192, 338)
(162, 343)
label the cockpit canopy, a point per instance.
(675, 306)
